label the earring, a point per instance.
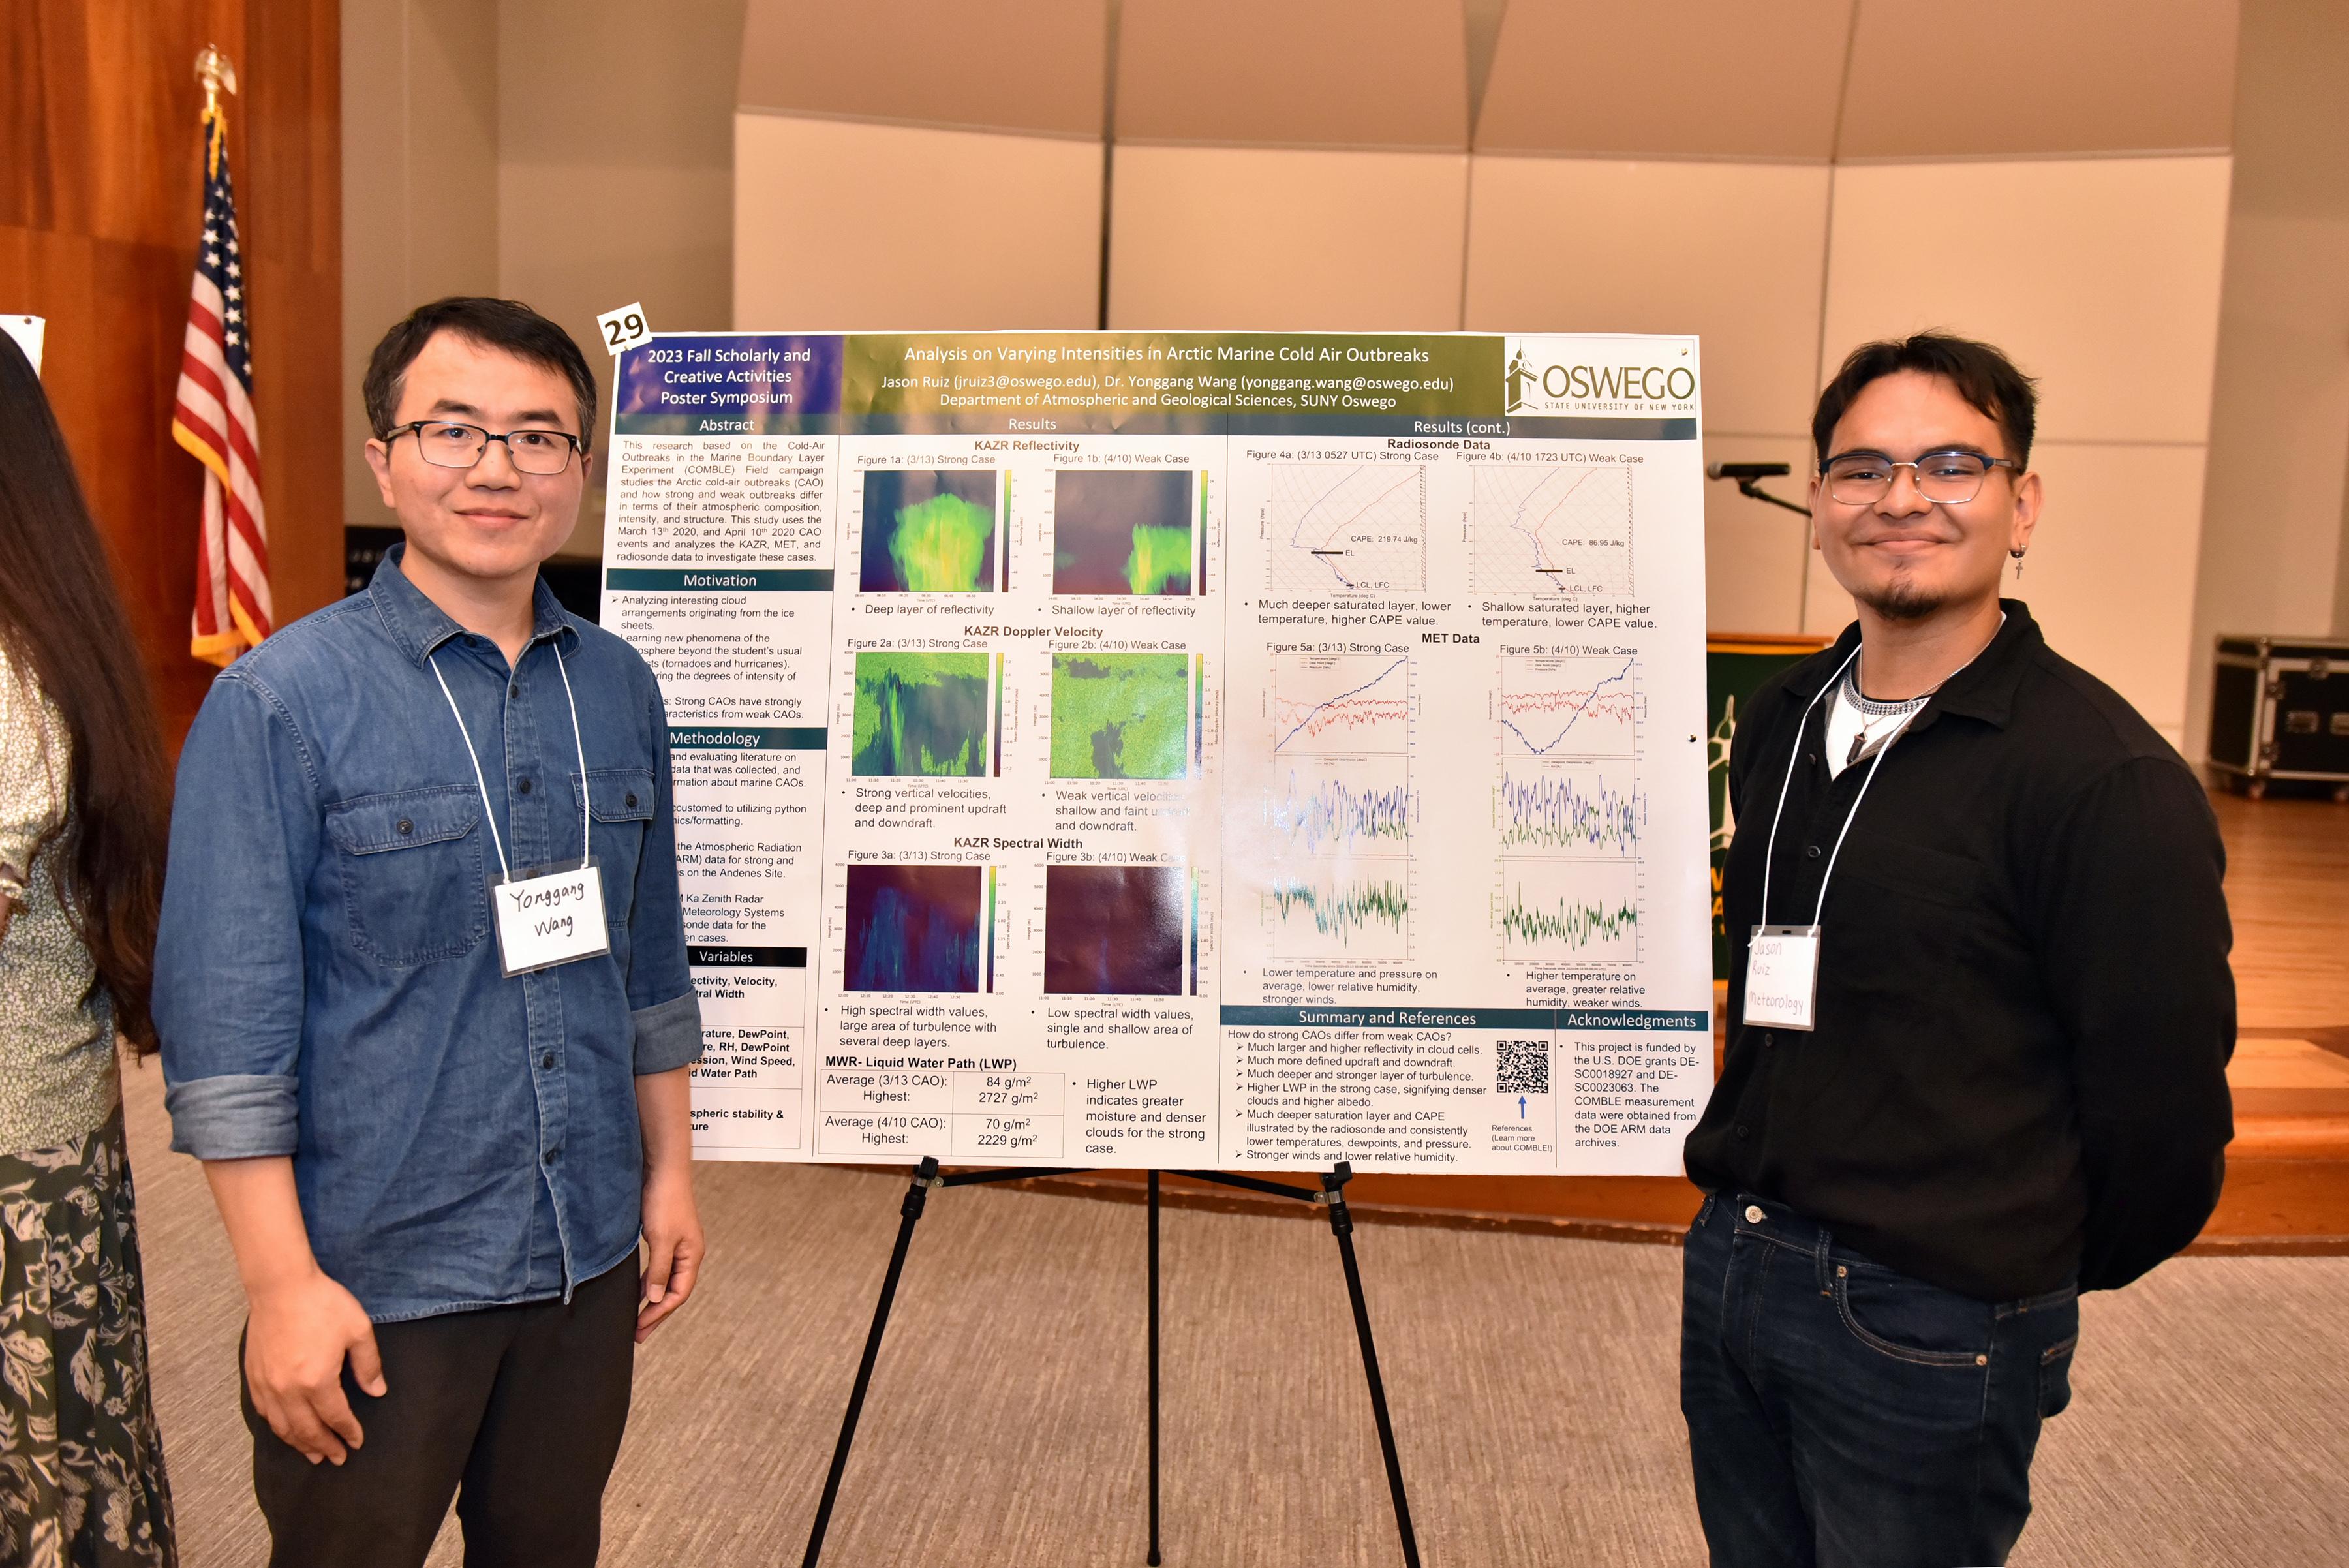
(2018, 564)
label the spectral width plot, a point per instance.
(929, 531)
(1569, 808)
(1120, 715)
(1347, 528)
(1568, 911)
(1569, 706)
(1122, 533)
(914, 928)
(1341, 704)
(1360, 912)
(1357, 805)
(1546, 528)
(1114, 930)
(921, 713)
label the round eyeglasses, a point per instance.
(1944, 478)
(445, 444)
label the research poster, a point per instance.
(1180, 750)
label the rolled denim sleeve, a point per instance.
(228, 954)
(662, 1006)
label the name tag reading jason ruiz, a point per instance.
(1782, 976)
(549, 917)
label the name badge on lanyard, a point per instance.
(546, 915)
(1782, 962)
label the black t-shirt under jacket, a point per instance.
(2024, 1011)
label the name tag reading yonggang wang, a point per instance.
(549, 917)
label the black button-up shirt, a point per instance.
(2024, 1011)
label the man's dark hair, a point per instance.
(503, 324)
(1985, 378)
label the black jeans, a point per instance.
(1846, 1416)
(522, 1407)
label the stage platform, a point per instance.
(2287, 1171)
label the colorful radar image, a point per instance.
(914, 928)
(921, 714)
(929, 531)
(1114, 931)
(1118, 716)
(1125, 532)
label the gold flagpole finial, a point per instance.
(214, 69)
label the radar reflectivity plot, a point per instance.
(1120, 715)
(1347, 528)
(922, 715)
(1341, 704)
(1569, 706)
(1122, 533)
(1360, 912)
(1114, 930)
(1551, 528)
(1572, 911)
(929, 531)
(914, 928)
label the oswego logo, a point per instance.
(1533, 388)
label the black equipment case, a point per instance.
(2279, 709)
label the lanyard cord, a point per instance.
(1770, 847)
(577, 741)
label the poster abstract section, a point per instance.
(1162, 749)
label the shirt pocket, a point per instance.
(414, 884)
(621, 802)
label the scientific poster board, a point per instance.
(1181, 750)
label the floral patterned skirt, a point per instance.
(81, 1465)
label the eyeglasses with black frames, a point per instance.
(447, 443)
(1944, 478)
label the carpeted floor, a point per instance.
(1533, 1380)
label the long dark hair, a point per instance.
(61, 619)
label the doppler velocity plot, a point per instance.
(929, 531)
(914, 928)
(1114, 930)
(1122, 533)
(1569, 706)
(1341, 704)
(1347, 528)
(1553, 528)
(922, 714)
(1120, 715)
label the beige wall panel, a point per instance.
(2110, 576)
(1731, 252)
(1696, 77)
(1283, 239)
(1039, 65)
(1997, 77)
(1754, 551)
(2100, 276)
(1321, 73)
(846, 227)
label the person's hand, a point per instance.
(293, 1349)
(673, 1237)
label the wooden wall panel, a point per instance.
(100, 186)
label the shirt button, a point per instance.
(632, 800)
(549, 1155)
(524, 787)
(1810, 759)
(514, 690)
(547, 1061)
(1753, 1214)
(406, 826)
(1810, 851)
(1740, 1132)
(1768, 1038)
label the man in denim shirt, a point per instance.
(435, 1174)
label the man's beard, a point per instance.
(1903, 599)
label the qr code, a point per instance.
(1521, 1066)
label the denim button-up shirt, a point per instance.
(326, 980)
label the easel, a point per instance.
(1331, 1194)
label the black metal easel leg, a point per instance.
(1342, 1225)
(925, 1175)
(1152, 1558)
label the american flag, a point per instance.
(212, 419)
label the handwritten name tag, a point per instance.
(1782, 976)
(549, 917)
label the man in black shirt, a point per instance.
(1980, 1012)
